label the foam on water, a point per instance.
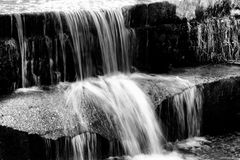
(28, 90)
(166, 156)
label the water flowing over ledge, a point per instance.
(132, 114)
(48, 47)
(45, 111)
(183, 103)
(76, 43)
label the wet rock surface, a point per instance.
(44, 112)
(165, 37)
(161, 41)
(224, 146)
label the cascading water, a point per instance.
(183, 112)
(113, 37)
(84, 147)
(128, 109)
(188, 108)
(88, 29)
(23, 47)
(130, 114)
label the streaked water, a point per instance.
(129, 111)
(131, 115)
(84, 147)
(186, 104)
(188, 108)
(113, 38)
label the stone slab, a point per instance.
(44, 112)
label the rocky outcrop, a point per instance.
(161, 42)
(162, 39)
(44, 113)
(167, 35)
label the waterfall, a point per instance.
(22, 46)
(131, 114)
(100, 43)
(183, 111)
(113, 38)
(129, 111)
(188, 108)
(84, 147)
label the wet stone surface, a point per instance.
(222, 147)
(44, 112)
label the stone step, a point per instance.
(43, 113)
(49, 23)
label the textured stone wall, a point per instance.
(9, 65)
(162, 37)
(163, 40)
(215, 33)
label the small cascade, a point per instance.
(22, 46)
(188, 108)
(84, 147)
(130, 114)
(181, 112)
(129, 111)
(92, 41)
(113, 38)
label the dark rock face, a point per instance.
(160, 48)
(219, 9)
(219, 110)
(22, 146)
(162, 13)
(211, 37)
(214, 33)
(13, 144)
(9, 66)
(221, 107)
(162, 38)
(19, 145)
(136, 16)
(215, 40)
